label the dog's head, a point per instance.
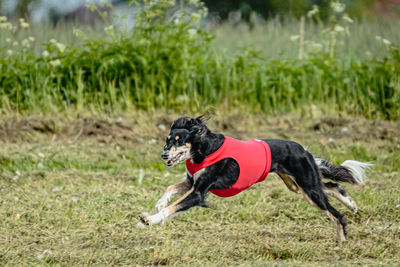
(184, 131)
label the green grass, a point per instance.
(78, 190)
(272, 38)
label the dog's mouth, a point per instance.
(175, 159)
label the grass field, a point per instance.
(72, 188)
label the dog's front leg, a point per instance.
(172, 190)
(189, 199)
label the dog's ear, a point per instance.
(195, 122)
(199, 120)
(198, 130)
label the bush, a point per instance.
(167, 61)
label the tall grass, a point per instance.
(171, 62)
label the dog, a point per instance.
(225, 166)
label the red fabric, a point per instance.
(253, 157)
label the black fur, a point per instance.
(336, 173)
(288, 157)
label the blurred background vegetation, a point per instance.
(260, 56)
(220, 9)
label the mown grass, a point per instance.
(172, 63)
(72, 196)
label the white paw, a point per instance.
(353, 205)
(161, 204)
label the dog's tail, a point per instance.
(350, 171)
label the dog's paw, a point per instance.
(352, 205)
(144, 218)
(161, 204)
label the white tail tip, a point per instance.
(357, 169)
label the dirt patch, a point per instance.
(237, 125)
(97, 128)
(11, 129)
(28, 128)
(357, 129)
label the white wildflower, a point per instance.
(348, 19)
(31, 38)
(9, 52)
(3, 18)
(78, 33)
(6, 25)
(55, 63)
(25, 43)
(60, 47)
(16, 198)
(23, 24)
(53, 41)
(45, 53)
(192, 32)
(40, 165)
(294, 37)
(338, 7)
(8, 40)
(338, 28)
(314, 11)
(40, 154)
(386, 41)
(195, 17)
(18, 173)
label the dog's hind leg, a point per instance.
(334, 190)
(289, 182)
(316, 197)
(308, 179)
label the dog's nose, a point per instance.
(164, 155)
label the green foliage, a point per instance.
(168, 61)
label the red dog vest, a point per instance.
(253, 158)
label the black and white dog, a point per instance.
(298, 168)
